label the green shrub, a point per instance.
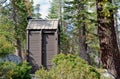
(9, 70)
(6, 46)
(43, 74)
(68, 67)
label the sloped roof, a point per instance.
(37, 24)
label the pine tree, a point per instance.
(107, 36)
(57, 12)
(83, 25)
(19, 15)
(37, 14)
(6, 30)
(54, 11)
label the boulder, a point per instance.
(12, 58)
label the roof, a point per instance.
(37, 24)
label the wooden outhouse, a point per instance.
(42, 42)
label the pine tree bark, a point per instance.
(110, 55)
(17, 40)
(82, 36)
(82, 45)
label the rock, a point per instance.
(12, 58)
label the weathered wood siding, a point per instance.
(35, 54)
(42, 42)
(49, 48)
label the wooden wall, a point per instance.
(42, 47)
(34, 50)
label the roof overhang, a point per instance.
(38, 24)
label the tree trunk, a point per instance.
(82, 35)
(82, 45)
(18, 48)
(17, 39)
(110, 55)
(117, 29)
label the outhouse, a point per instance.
(42, 42)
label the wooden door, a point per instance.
(48, 49)
(34, 44)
